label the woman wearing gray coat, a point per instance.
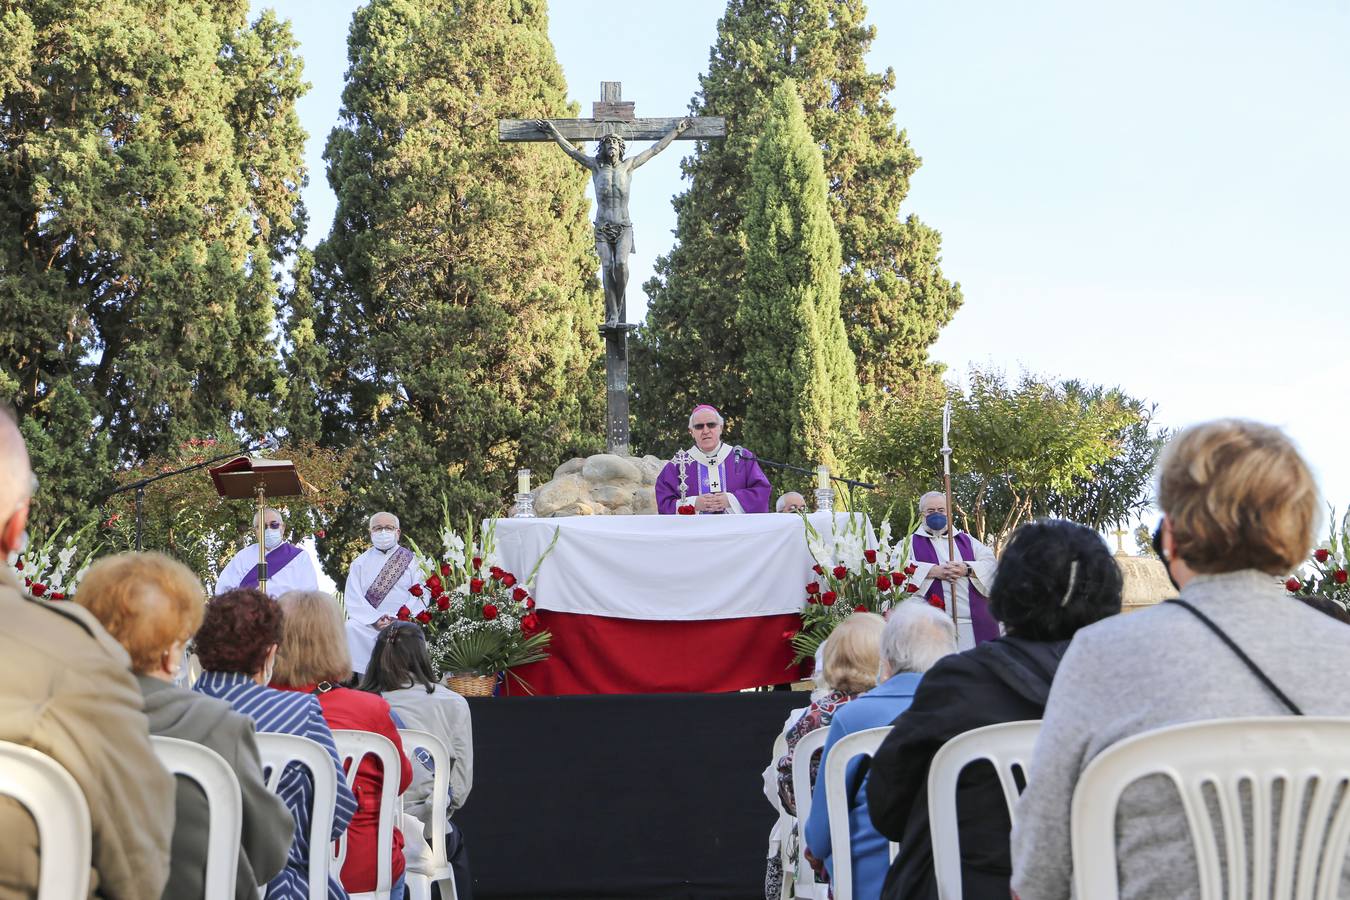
(1240, 509)
(152, 604)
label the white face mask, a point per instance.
(271, 538)
(383, 540)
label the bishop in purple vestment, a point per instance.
(711, 477)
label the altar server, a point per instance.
(289, 568)
(378, 583)
(711, 477)
(971, 571)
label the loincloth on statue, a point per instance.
(614, 234)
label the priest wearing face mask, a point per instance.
(971, 572)
(711, 477)
(289, 568)
(378, 584)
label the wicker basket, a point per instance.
(471, 685)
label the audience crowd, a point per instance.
(89, 682)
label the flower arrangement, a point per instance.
(52, 568)
(850, 577)
(479, 618)
(1327, 571)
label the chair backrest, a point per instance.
(860, 743)
(1240, 767)
(224, 808)
(353, 747)
(58, 807)
(801, 792)
(277, 751)
(1008, 746)
(440, 789)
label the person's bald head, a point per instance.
(16, 483)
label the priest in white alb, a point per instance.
(289, 567)
(378, 584)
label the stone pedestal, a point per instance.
(1145, 582)
(602, 485)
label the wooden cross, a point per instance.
(612, 115)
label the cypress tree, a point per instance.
(799, 371)
(893, 295)
(455, 294)
(148, 190)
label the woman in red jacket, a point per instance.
(313, 658)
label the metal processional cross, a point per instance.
(613, 124)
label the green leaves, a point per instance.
(454, 303)
(1036, 447)
(799, 371)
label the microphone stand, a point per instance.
(139, 486)
(849, 481)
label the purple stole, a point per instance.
(390, 573)
(276, 561)
(982, 622)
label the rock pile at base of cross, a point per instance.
(601, 485)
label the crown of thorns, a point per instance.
(614, 138)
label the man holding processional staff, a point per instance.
(952, 570)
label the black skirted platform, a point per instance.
(621, 796)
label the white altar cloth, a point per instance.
(684, 568)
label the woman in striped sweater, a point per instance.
(237, 646)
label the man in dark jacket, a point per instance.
(1053, 578)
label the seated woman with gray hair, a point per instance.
(916, 636)
(1054, 578)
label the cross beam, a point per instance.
(703, 128)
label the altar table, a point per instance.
(660, 604)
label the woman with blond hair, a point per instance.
(152, 605)
(1239, 513)
(313, 659)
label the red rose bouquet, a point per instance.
(51, 567)
(855, 571)
(480, 619)
(1327, 571)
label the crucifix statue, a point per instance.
(613, 124)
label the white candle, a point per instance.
(823, 478)
(523, 481)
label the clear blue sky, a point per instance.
(1153, 195)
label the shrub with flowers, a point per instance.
(851, 576)
(52, 567)
(1327, 571)
(479, 618)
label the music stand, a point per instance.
(243, 478)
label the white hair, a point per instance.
(782, 500)
(720, 420)
(915, 637)
(941, 496)
(264, 511)
(370, 523)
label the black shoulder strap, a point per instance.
(1232, 645)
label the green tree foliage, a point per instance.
(456, 294)
(1036, 447)
(893, 295)
(148, 189)
(799, 370)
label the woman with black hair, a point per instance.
(1053, 578)
(401, 672)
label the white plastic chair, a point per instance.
(276, 752)
(1237, 764)
(860, 743)
(806, 884)
(224, 808)
(437, 868)
(54, 800)
(785, 821)
(1007, 746)
(353, 747)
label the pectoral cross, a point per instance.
(613, 123)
